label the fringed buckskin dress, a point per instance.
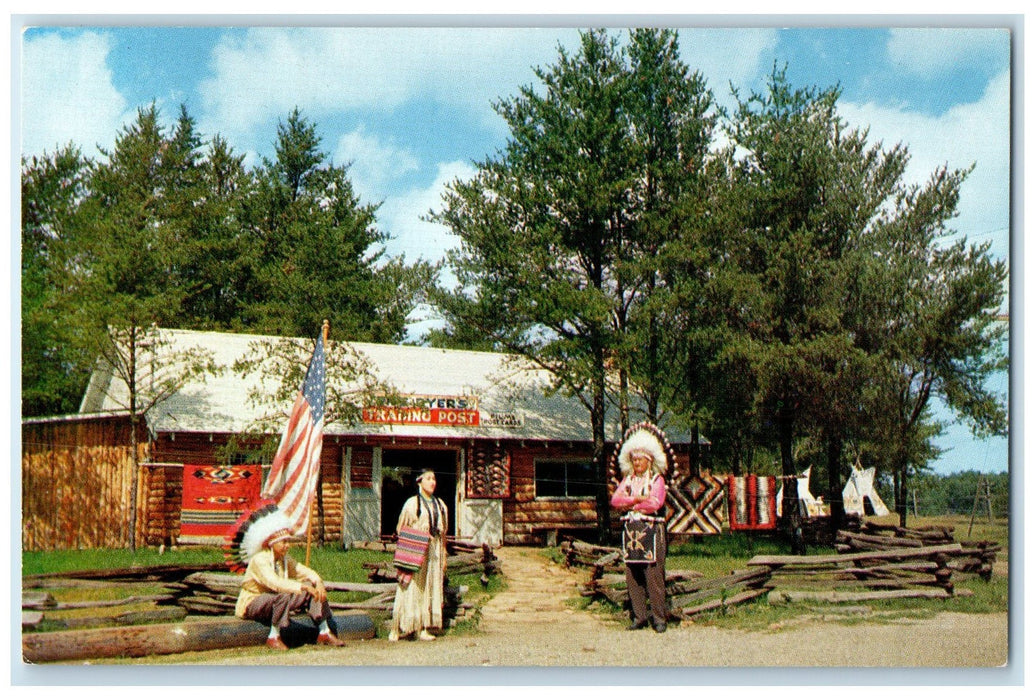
(418, 605)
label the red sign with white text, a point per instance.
(419, 415)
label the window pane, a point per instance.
(549, 479)
(560, 479)
(581, 483)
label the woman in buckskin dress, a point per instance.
(418, 597)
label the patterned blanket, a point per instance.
(696, 504)
(752, 502)
(214, 497)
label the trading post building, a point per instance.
(511, 456)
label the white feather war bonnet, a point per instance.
(647, 439)
(251, 532)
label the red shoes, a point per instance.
(329, 640)
(276, 643)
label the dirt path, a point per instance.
(529, 624)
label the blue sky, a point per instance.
(411, 108)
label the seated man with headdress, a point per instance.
(276, 586)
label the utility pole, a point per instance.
(982, 485)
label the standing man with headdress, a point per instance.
(418, 598)
(643, 462)
(275, 585)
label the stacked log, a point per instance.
(973, 557)
(687, 591)
(977, 557)
(601, 559)
(216, 594)
(38, 605)
(470, 559)
(905, 572)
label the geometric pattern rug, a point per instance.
(214, 497)
(696, 504)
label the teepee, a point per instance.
(859, 488)
(813, 505)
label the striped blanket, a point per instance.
(752, 502)
(213, 498)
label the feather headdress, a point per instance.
(645, 438)
(250, 532)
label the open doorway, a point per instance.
(399, 472)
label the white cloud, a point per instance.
(374, 164)
(401, 217)
(973, 133)
(68, 94)
(930, 52)
(265, 72)
(728, 55)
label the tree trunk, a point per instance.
(785, 427)
(695, 450)
(146, 640)
(134, 421)
(901, 491)
(834, 489)
(599, 458)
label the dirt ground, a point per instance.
(529, 624)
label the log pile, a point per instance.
(974, 557)
(462, 558)
(904, 572)
(603, 560)
(147, 607)
(687, 591)
(216, 594)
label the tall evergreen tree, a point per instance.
(560, 232)
(317, 252)
(930, 319)
(53, 371)
(123, 277)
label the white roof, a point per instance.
(503, 385)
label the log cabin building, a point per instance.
(512, 458)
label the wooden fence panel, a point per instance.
(76, 481)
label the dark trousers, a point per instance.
(647, 581)
(277, 608)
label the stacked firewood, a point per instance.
(689, 593)
(974, 557)
(603, 560)
(462, 558)
(216, 594)
(148, 606)
(904, 572)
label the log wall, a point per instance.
(77, 475)
(528, 520)
(77, 478)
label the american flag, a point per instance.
(292, 480)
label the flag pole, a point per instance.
(325, 330)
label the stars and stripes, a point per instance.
(296, 466)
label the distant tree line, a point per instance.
(760, 275)
(955, 494)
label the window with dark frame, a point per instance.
(561, 478)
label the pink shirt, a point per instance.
(633, 485)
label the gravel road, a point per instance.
(529, 624)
